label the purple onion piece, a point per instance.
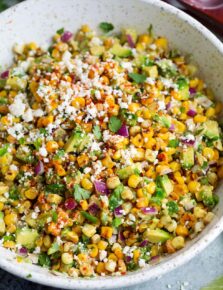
(191, 113)
(118, 211)
(192, 91)
(143, 243)
(4, 74)
(168, 106)
(123, 131)
(67, 35)
(70, 203)
(130, 40)
(172, 128)
(23, 251)
(94, 209)
(128, 259)
(121, 236)
(39, 168)
(188, 142)
(149, 210)
(101, 187)
(154, 259)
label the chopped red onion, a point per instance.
(149, 210)
(192, 91)
(143, 243)
(101, 187)
(39, 168)
(67, 35)
(168, 106)
(4, 74)
(70, 203)
(155, 259)
(128, 259)
(191, 113)
(130, 40)
(121, 236)
(94, 209)
(123, 131)
(23, 251)
(118, 211)
(188, 142)
(172, 128)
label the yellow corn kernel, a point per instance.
(82, 160)
(1, 206)
(174, 166)
(147, 114)
(151, 187)
(10, 218)
(85, 28)
(178, 177)
(3, 94)
(210, 112)
(142, 202)
(47, 120)
(194, 186)
(9, 244)
(73, 237)
(78, 103)
(149, 144)
(161, 169)
(200, 119)
(82, 257)
(56, 54)
(62, 46)
(142, 227)
(84, 204)
(208, 153)
(60, 170)
(107, 162)
(32, 46)
(154, 251)
(140, 46)
(117, 155)
(31, 193)
(140, 192)
(178, 242)
(51, 146)
(137, 140)
(118, 253)
(93, 250)
(100, 268)
(102, 245)
(133, 107)
(47, 241)
(161, 43)
(136, 255)
(194, 83)
(89, 230)
(182, 231)
(144, 38)
(54, 198)
(86, 184)
(106, 232)
(216, 155)
(11, 229)
(179, 126)
(134, 180)
(112, 257)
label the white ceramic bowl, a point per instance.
(38, 20)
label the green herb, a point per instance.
(182, 82)
(106, 27)
(44, 260)
(137, 171)
(132, 266)
(155, 200)
(54, 216)
(60, 31)
(204, 165)
(209, 201)
(114, 124)
(60, 153)
(3, 101)
(159, 193)
(85, 240)
(130, 119)
(80, 193)
(97, 132)
(173, 143)
(150, 30)
(29, 276)
(53, 248)
(43, 131)
(89, 217)
(9, 238)
(182, 109)
(137, 78)
(22, 141)
(115, 198)
(204, 181)
(37, 143)
(172, 207)
(116, 222)
(55, 188)
(4, 150)
(148, 62)
(14, 194)
(145, 253)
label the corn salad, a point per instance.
(110, 151)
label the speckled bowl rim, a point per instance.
(139, 276)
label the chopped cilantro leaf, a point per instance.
(116, 222)
(4, 149)
(60, 31)
(173, 143)
(115, 198)
(172, 207)
(44, 260)
(114, 124)
(80, 193)
(137, 78)
(55, 188)
(106, 27)
(97, 132)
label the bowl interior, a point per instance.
(37, 20)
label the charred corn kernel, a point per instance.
(178, 242)
(112, 257)
(93, 250)
(82, 160)
(182, 231)
(100, 268)
(162, 169)
(118, 253)
(142, 227)
(31, 193)
(89, 230)
(210, 112)
(194, 186)
(151, 187)
(54, 229)
(142, 202)
(86, 269)
(113, 182)
(11, 218)
(208, 153)
(87, 184)
(106, 232)
(54, 198)
(175, 166)
(178, 177)
(134, 180)
(136, 255)
(102, 245)
(200, 119)
(218, 107)
(51, 146)
(84, 204)
(60, 170)
(67, 258)
(107, 162)
(47, 120)
(220, 172)
(78, 103)
(110, 265)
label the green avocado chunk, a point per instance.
(187, 158)
(166, 184)
(156, 236)
(120, 51)
(125, 172)
(77, 142)
(26, 237)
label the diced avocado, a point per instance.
(120, 51)
(125, 172)
(163, 120)
(183, 88)
(77, 141)
(156, 236)
(2, 224)
(166, 184)
(131, 32)
(187, 158)
(151, 71)
(16, 83)
(53, 248)
(2, 83)
(211, 129)
(24, 154)
(207, 196)
(97, 50)
(26, 237)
